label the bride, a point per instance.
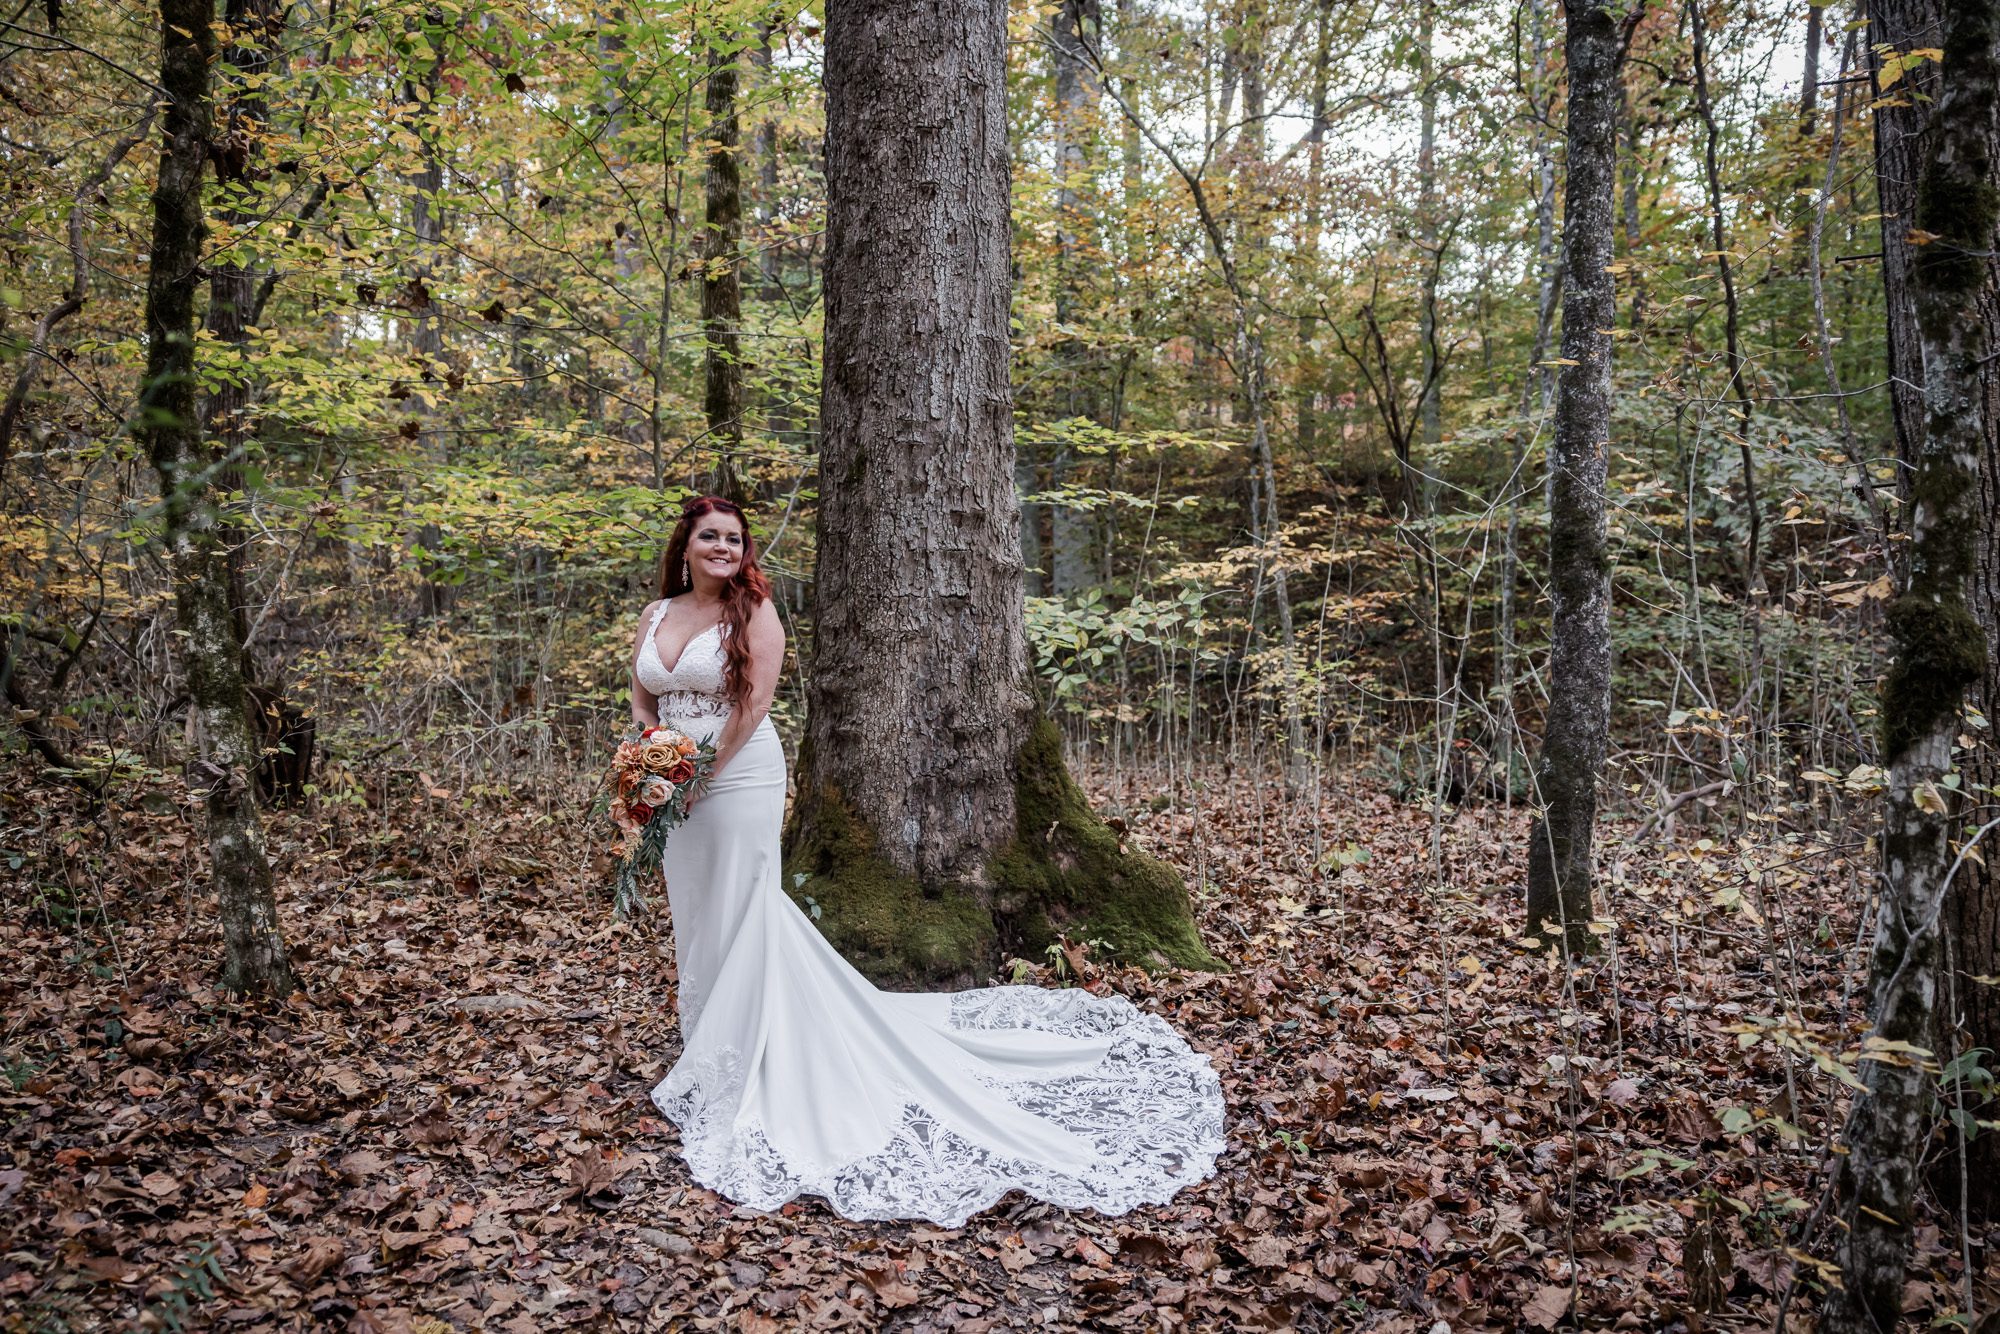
(797, 1075)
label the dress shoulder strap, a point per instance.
(659, 614)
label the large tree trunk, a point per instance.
(1940, 649)
(1971, 918)
(1579, 715)
(1972, 904)
(935, 825)
(721, 281)
(210, 650)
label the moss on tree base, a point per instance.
(1064, 874)
(878, 917)
(1067, 874)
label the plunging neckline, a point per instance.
(653, 638)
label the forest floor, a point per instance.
(1431, 1127)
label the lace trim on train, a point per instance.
(1152, 1107)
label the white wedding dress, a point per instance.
(799, 1077)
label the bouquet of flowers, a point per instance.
(653, 776)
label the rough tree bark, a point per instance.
(1535, 394)
(1904, 139)
(1575, 735)
(1939, 650)
(1901, 116)
(721, 278)
(210, 651)
(935, 824)
(252, 54)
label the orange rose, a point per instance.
(686, 745)
(680, 772)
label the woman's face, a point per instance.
(715, 546)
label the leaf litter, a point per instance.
(1431, 1127)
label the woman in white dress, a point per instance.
(797, 1075)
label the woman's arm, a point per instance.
(767, 661)
(645, 706)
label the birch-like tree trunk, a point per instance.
(935, 824)
(211, 653)
(1939, 649)
(1576, 734)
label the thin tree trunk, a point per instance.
(1075, 29)
(1940, 649)
(1309, 369)
(1737, 388)
(1535, 399)
(73, 299)
(1576, 735)
(256, 30)
(1429, 417)
(1809, 93)
(211, 653)
(435, 597)
(721, 282)
(1628, 117)
(935, 823)
(779, 418)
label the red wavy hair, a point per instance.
(740, 596)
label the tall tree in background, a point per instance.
(1074, 24)
(935, 822)
(1576, 734)
(1939, 650)
(721, 280)
(211, 652)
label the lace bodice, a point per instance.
(694, 686)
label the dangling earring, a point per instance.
(687, 575)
